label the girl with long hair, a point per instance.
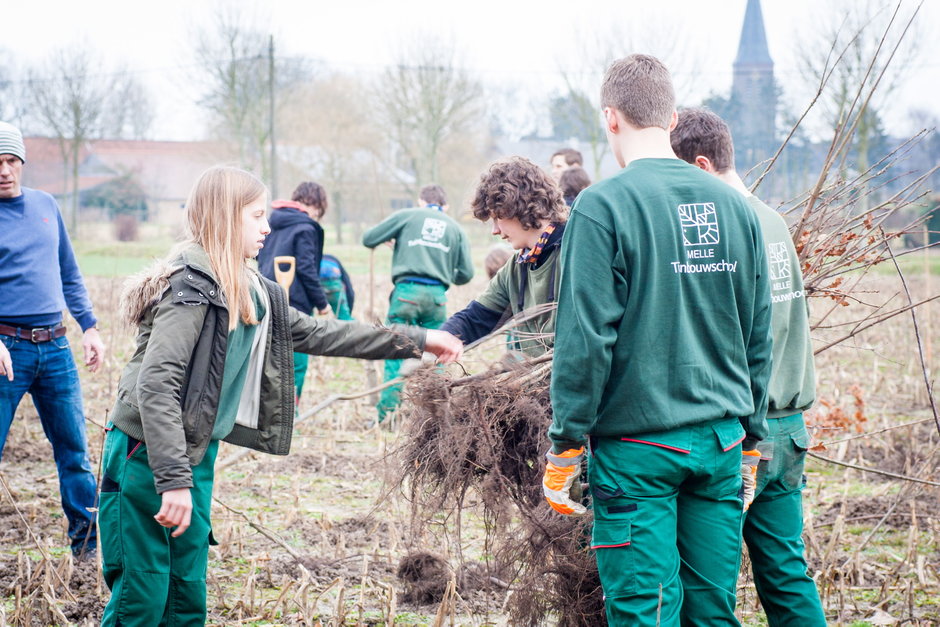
(213, 361)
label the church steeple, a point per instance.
(752, 49)
(753, 92)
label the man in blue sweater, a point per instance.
(39, 278)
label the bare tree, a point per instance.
(852, 46)
(234, 69)
(332, 140)
(131, 113)
(8, 96)
(425, 101)
(72, 96)
(516, 107)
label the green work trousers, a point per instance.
(667, 524)
(336, 297)
(300, 373)
(415, 304)
(155, 579)
(773, 529)
(335, 291)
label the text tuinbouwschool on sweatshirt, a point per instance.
(792, 387)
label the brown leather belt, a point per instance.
(35, 336)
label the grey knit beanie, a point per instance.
(11, 141)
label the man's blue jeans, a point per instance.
(47, 371)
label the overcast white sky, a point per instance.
(510, 42)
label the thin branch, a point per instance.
(879, 320)
(920, 345)
(267, 533)
(876, 471)
(869, 434)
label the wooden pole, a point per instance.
(271, 116)
(928, 327)
(372, 378)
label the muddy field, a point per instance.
(320, 537)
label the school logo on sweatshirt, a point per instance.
(431, 233)
(699, 224)
(433, 229)
(779, 262)
(781, 276)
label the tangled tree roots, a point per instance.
(425, 576)
(469, 432)
(487, 434)
(557, 572)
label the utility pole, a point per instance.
(273, 183)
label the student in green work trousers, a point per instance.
(773, 524)
(213, 361)
(431, 254)
(661, 363)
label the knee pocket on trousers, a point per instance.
(109, 530)
(612, 543)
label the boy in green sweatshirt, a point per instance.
(661, 363)
(773, 525)
(431, 253)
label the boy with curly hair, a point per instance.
(528, 213)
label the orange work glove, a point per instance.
(749, 462)
(562, 478)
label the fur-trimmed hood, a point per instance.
(145, 289)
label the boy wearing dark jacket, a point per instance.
(296, 233)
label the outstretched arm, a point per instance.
(384, 231)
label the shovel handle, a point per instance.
(284, 277)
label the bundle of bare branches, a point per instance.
(855, 217)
